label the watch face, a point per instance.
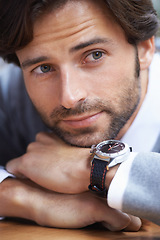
(112, 147)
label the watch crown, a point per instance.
(92, 148)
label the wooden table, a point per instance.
(22, 230)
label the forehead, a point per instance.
(78, 8)
(75, 21)
(74, 16)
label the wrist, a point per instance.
(15, 200)
(107, 156)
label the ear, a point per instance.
(146, 50)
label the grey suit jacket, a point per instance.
(142, 193)
(19, 121)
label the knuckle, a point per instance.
(25, 163)
(39, 136)
(29, 147)
(32, 146)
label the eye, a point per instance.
(97, 55)
(44, 68)
(94, 57)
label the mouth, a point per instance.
(81, 121)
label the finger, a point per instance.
(135, 224)
(35, 146)
(43, 137)
(13, 167)
(116, 220)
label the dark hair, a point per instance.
(138, 19)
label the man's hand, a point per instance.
(51, 164)
(54, 165)
(25, 199)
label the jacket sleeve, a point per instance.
(135, 189)
(10, 135)
(19, 121)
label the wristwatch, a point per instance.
(105, 155)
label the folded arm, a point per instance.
(25, 199)
(54, 165)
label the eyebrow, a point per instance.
(30, 62)
(89, 43)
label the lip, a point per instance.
(81, 122)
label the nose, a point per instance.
(72, 90)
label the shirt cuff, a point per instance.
(118, 185)
(4, 174)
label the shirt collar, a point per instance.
(145, 129)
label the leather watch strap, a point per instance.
(97, 177)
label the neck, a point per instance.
(144, 87)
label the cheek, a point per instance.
(107, 83)
(114, 75)
(43, 95)
(114, 84)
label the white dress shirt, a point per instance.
(142, 134)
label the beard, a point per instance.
(117, 115)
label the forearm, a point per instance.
(135, 187)
(24, 199)
(16, 199)
(3, 175)
(21, 198)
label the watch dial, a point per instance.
(112, 147)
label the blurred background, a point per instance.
(156, 4)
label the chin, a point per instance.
(84, 141)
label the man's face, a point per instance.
(80, 73)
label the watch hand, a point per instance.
(115, 145)
(110, 147)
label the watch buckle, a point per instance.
(100, 193)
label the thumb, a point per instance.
(13, 167)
